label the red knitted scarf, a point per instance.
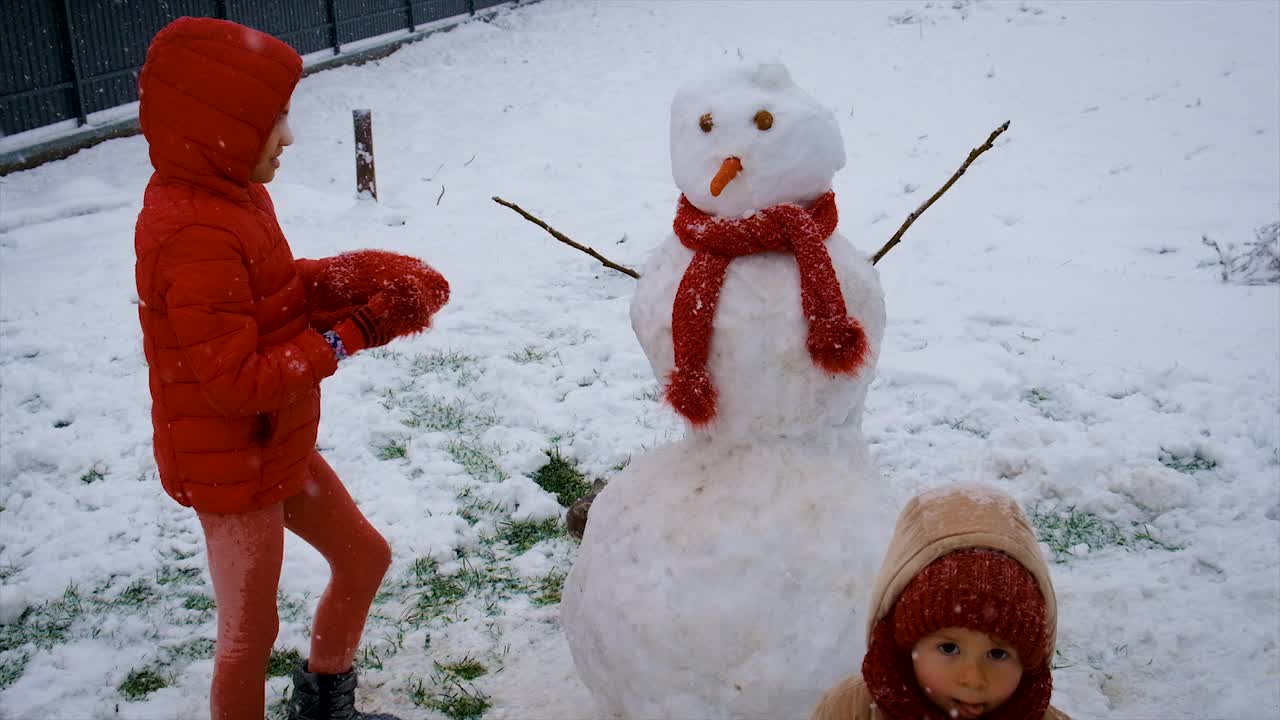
(891, 679)
(836, 341)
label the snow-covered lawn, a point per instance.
(1057, 326)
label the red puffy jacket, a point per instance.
(234, 369)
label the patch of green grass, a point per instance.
(194, 649)
(180, 554)
(491, 579)
(1186, 465)
(283, 662)
(450, 360)
(422, 571)
(1066, 531)
(547, 588)
(373, 656)
(141, 683)
(561, 477)
(467, 668)
(453, 700)
(529, 354)
(12, 665)
(93, 475)
(394, 449)
(620, 466)
(465, 704)
(289, 609)
(463, 367)
(170, 575)
(137, 594)
(560, 438)
(369, 658)
(198, 602)
(1142, 536)
(524, 534)
(437, 592)
(44, 625)
(476, 459)
(435, 414)
(472, 508)
(1036, 395)
(1044, 401)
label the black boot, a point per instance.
(326, 697)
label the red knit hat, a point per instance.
(976, 589)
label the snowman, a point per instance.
(726, 575)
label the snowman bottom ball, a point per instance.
(726, 582)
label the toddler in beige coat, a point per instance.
(963, 618)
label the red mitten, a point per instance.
(362, 329)
(350, 283)
(399, 310)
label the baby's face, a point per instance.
(966, 673)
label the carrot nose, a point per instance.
(729, 169)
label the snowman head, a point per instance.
(748, 138)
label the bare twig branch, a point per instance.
(562, 238)
(441, 195)
(973, 154)
(897, 237)
(473, 157)
(1222, 257)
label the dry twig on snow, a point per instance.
(562, 238)
(973, 154)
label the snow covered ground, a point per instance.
(1053, 329)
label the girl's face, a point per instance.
(966, 673)
(269, 159)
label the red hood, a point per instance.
(211, 92)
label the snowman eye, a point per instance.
(705, 123)
(764, 119)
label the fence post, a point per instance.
(408, 10)
(333, 25)
(365, 179)
(222, 9)
(471, 6)
(71, 60)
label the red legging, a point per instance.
(245, 551)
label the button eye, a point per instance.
(705, 123)
(764, 119)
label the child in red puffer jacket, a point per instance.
(238, 336)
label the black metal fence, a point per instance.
(64, 59)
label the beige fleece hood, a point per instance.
(942, 521)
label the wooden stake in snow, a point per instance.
(365, 179)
